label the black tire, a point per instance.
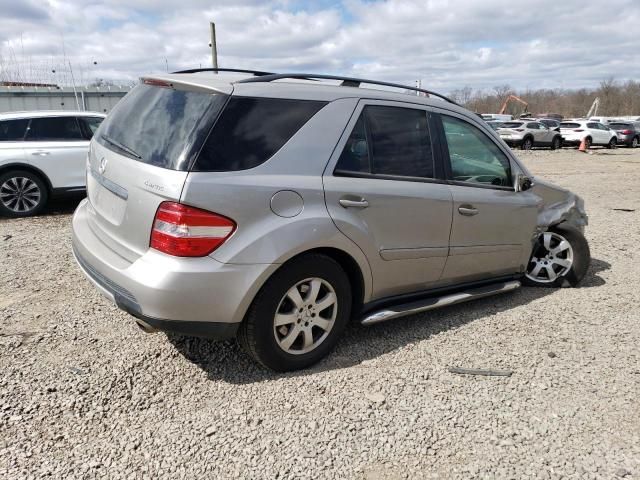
(635, 142)
(527, 143)
(556, 143)
(10, 209)
(587, 143)
(613, 143)
(580, 264)
(256, 333)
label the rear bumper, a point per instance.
(192, 296)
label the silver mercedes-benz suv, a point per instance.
(277, 207)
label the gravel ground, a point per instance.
(84, 393)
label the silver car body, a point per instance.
(412, 236)
(515, 132)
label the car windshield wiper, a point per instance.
(117, 144)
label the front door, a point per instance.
(493, 225)
(382, 193)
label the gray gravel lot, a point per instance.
(84, 393)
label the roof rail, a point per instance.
(235, 70)
(346, 82)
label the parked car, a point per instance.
(528, 134)
(628, 133)
(42, 155)
(276, 211)
(495, 124)
(551, 123)
(594, 133)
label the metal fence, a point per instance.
(95, 99)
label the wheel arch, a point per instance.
(28, 168)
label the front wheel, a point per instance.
(22, 194)
(612, 143)
(298, 315)
(560, 258)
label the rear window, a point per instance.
(161, 126)
(13, 130)
(511, 125)
(569, 125)
(252, 130)
(621, 126)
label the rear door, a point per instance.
(57, 146)
(381, 191)
(492, 223)
(140, 157)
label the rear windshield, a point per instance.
(511, 125)
(160, 126)
(569, 125)
(621, 126)
(252, 130)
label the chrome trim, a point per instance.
(437, 302)
(113, 187)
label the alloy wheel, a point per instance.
(20, 194)
(552, 258)
(305, 316)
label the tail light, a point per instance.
(627, 132)
(578, 130)
(185, 231)
(519, 129)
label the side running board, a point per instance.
(432, 303)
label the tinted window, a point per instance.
(474, 157)
(592, 125)
(160, 126)
(511, 125)
(620, 126)
(569, 125)
(13, 130)
(252, 130)
(91, 124)
(399, 143)
(54, 128)
(355, 155)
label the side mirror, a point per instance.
(523, 183)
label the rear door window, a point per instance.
(391, 141)
(90, 125)
(51, 129)
(474, 158)
(13, 130)
(251, 130)
(161, 126)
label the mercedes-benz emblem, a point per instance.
(103, 165)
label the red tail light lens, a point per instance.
(185, 231)
(627, 132)
(519, 129)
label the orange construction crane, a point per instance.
(513, 98)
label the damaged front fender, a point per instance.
(559, 206)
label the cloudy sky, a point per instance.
(447, 44)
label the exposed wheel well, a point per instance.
(27, 168)
(351, 268)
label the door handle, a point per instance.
(467, 210)
(41, 153)
(346, 203)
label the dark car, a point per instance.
(628, 133)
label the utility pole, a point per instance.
(214, 47)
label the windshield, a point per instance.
(161, 126)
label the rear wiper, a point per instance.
(117, 144)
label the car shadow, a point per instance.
(225, 361)
(64, 205)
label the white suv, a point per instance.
(42, 154)
(594, 133)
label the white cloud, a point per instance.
(447, 44)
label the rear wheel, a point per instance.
(634, 142)
(612, 143)
(22, 194)
(299, 314)
(560, 258)
(556, 143)
(587, 143)
(527, 143)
